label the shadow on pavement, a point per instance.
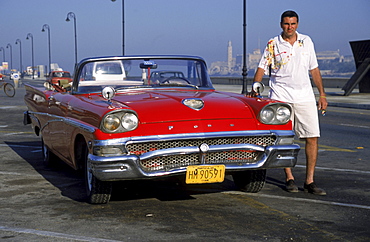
(71, 184)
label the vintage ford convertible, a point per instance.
(117, 121)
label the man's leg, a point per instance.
(311, 149)
(311, 158)
(288, 174)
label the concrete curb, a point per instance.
(349, 105)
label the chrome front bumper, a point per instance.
(128, 167)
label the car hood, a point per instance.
(167, 106)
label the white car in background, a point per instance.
(113, 73)
(106, 71)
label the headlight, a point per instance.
(119, 121)
(283, 114)
(111, 122)
(129, 121)
(267, 115)
(276, 113)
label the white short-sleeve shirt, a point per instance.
(290, 66)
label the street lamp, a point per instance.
(123, 26)
(72, 15)
(2, 49)
(244, 71)
(29, 35)
(46, 26)
(20, 55)
(11, 55)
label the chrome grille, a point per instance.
(175, 161)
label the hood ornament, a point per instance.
(194, 103)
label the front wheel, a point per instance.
(9, 90)
(98, 192)
(250, 181)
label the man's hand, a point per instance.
(322, 103)
(252, 94)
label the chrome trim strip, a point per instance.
(151, 138)
(68, 121)
(192, 150)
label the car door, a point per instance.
(60, 130)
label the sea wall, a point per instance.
(329, 82)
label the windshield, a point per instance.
(142, 73)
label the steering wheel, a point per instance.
(168, 80)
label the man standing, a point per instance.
(288, 59)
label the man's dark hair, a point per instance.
(289, 14)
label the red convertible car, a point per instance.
(117, 123)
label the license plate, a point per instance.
(205, 174)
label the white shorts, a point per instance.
(305, 120)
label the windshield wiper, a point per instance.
(134, 87)
(178, 85)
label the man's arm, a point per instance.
(259, 75)
(257, 78)
(316, 77)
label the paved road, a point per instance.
(39, 203)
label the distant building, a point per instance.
(233, 66)
(329, 56)
(348, 58)
(230, 60)
(254, 59)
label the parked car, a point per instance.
(108, 71)
(60, 78)
(132, 128)
(162, 76)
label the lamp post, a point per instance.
(29, 35)
(46, 26)
(11, 55)
(2, 49)
(72, 15)
(244, 72)
(123, 26)
(18, 41)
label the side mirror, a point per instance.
(258, 87)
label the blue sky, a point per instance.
(191, 27)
